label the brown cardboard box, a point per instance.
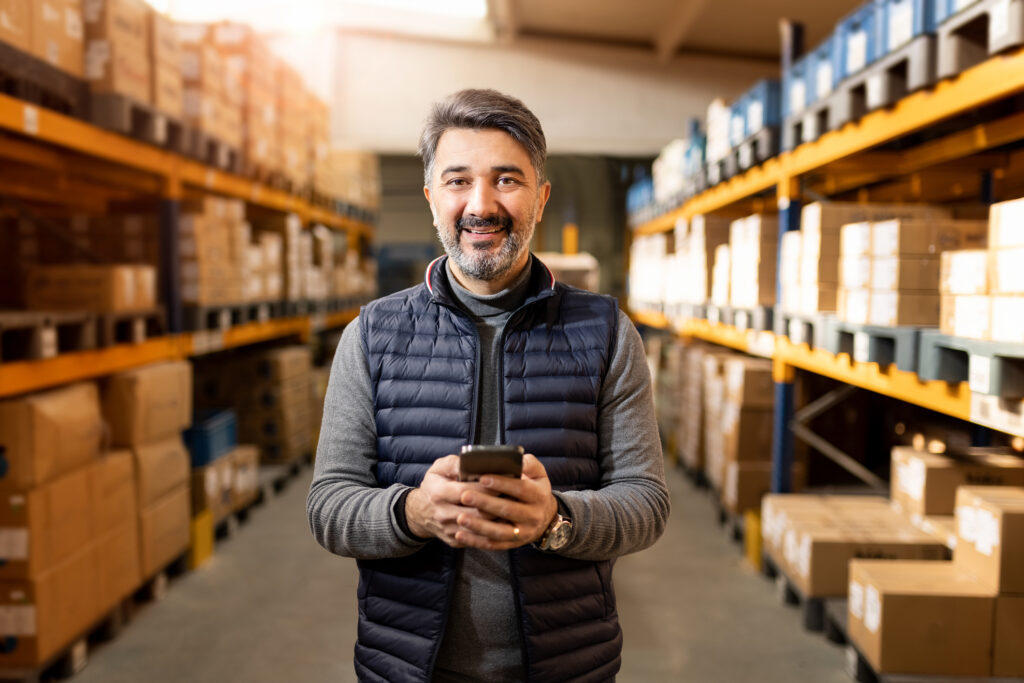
(162, 39)
(46, 614)
(88, 288)
(202, 66)
(1006, 225)
(926, 484)
(905, 273)
(746, 483)
(168, 91)
(57, 34)
(901, 237)
(247, 56)
(45, 526)
(119, 68)
(964, 272)
(748, 381)
(747, 433)
(966, 316)
(149, 404)
(1007, 654)
(245, 483)
(113, 490)
(279, 398)
(159, 469)
(15, 19)
(123, 22)
(1005, 273)
(990, 536)
(920, 618)
(283, 364)
(117, 559)
(164, 531)
(890, 309)
(1007, 322)
(278, 450)
(212, 488)
(46, 435)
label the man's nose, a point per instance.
(483, 200)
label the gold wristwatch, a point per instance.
(556, 536)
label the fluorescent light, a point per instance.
(467, 9)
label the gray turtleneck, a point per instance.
(351, 516)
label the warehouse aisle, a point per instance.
(273, 606)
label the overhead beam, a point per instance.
(677, 28)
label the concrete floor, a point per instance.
(272, 606)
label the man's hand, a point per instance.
(491, 522)
(433, 509)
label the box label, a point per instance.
(797, 96)
(901, 23)
(980, 374)
(999, 21)
(857, 600)
(13, 544)
(872, 609)
(755, 117)
(856, 51)
(804, 556)
(912, 476)
(824, 80)
(18, 621)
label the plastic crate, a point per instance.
(797, 86)
(211, 436)
(944, 9)
(857, 35)
(902, 20)
(640, 195)
(763, 106)
(823, 77)
(738, 121)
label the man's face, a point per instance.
(485, 199)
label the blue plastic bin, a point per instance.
(944, 9)
(797, 84)
(763, 106)
(900, 21)
(857, 35)
(822, 75)
(738, 121)
(211, 436)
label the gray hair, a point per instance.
(480, 110)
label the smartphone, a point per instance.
(476, 460)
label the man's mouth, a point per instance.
(483, 226)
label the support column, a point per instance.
(782, 436)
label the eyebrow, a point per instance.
(511, 168)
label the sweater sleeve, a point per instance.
(349, 514)
(630, 509)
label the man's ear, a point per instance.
(545, 195)
(426, 193)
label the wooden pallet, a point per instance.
(223, 317)
(34, 335)
(812, 609)
(211, 150)
(131, 327)
(136, 120)
(36, 82)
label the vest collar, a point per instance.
(542, 282)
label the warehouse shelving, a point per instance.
(957, 162)
(119, 167)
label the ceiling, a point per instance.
(740, 28)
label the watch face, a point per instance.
(560, 534)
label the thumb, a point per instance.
(532, 467)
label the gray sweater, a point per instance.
(351, 516)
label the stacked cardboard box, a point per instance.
(669, 368)
(15, 24)
(71, 546)
(720, 276)
(204, 76)
(228, 484)
(690, 438)
(292, 125)
(890, 270)
(250, 68)
(319, 142)
(117, 48)
(714, 404)
(647, 261)
(789, 274)
(753, 259)
(129, 238)
(214, 245)
(689, 273)
(994, 311)
(276, 411)
(296, 253)
(167, 86)
(350, 176)
(820, 242)
(959, 618)
(965, 301)
(90, 288)
(147, 409)
(56, 34)
(813, 538)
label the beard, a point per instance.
(477, 260)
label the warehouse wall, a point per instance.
(588, 98)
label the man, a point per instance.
(505, 579)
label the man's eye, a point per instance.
(507, 181)
(457, 182)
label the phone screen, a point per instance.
(477, 460)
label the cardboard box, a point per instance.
(903, 273)
(49, 434)
(281, 450)
(854, 305)
(817, 298)
(15, 20)
(45, 526)
(1006, 225)
(920, 618)
(281, 365)
(966, 316)
(990, 536)
(1007, 322)
(118, 68)
(164, 531)
(57, 34)
(855, 240)
(926, 483)
(168, 91)
(749, 381)
(90, 288)
(44, 615)
(213, 488)
(113, 490)
(149, 404)
(904, 308)
(1007, 654)
(902, 237)
(746, 483)
(964, 272)
(746, 433)
(202, 65)
(159, 469)
(117, 558)
(123, 22)
(245, 484)
(1006, 276)
(163, 42)
(855, 272)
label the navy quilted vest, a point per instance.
(423, 356)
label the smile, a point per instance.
(483, 232)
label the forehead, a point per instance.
(480, 150)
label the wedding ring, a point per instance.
(515, 532)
